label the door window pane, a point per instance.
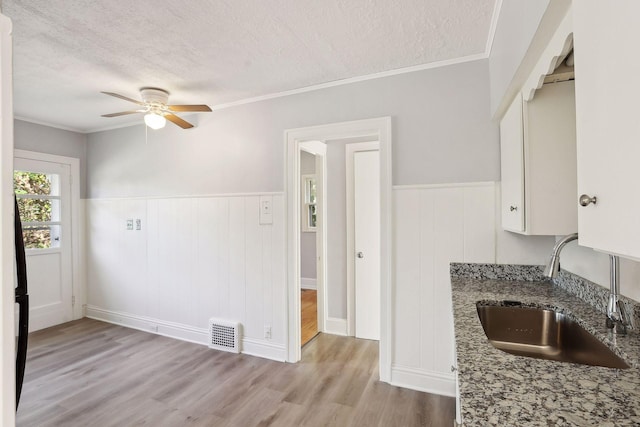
(38, 196)
(25, 182)
(41, 236)
(39, 210)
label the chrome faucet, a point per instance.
(617, 317)
(553, 267)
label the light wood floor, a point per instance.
(309, 315)
(90, 373)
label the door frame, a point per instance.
(78, 293)
(319, 150)
(7, 250)
(350, 150)
(377, 129)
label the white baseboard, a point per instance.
(149, 324)
(422, 380)
(335, 326)
(308, 283)
(250, 346)
(264, 349)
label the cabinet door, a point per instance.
(607, 67)
(550, 161)
(512, 167)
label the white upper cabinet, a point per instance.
(538, 162)
(607, 68)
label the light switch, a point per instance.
(129, 224)
(266, 206)
(138, 224)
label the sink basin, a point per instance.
(543, 333)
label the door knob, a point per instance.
(360, 255)
(513, 208)
(585, 200)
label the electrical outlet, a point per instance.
(266, 216)
(267, 331)
(138, 224)
(129, 224)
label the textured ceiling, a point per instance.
(217, 52)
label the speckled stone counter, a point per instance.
(497, 388)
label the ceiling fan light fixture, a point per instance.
(154, 105)
(154, 120)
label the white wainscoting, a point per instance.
(194, 258)
(434, 226)
(203, 257)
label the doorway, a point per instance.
(312, 238)
(308, 247)
(378, 129)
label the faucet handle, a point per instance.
(617, 319)
(618, 327)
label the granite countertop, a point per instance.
(497, 388)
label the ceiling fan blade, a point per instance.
(123, 113)
(124, 97)
(178, 121)
(202, 108)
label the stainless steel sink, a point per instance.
(544, 334)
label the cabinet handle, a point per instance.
(585, 200)
(513, 208)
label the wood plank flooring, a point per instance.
(309, 315)
(90, 373)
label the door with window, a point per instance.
(43, 192)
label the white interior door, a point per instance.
(366, 185)
(43, 192)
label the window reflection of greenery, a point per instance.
(34, 210)
(313, 216)
(310, 202)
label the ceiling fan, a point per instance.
(156, 110)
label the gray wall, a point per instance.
(517, 23)
(45, 139)
(441, 133)
(336, 229)
(308, 264)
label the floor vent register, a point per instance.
(224, 335)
